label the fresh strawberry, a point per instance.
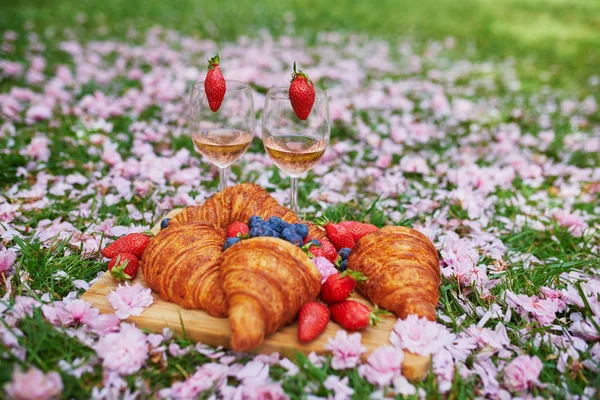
(353, 316)
(329, 251)
(358, 229)
(124, 266)
(312, 321)
(339, 236)
(302, 94)
(214, 84)
(325, 249)
(317, 251)
(134, 243)
(339, 286)
(237, 229)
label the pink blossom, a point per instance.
(494, 340)
(592, 364)
(419, 335)
(8, 212)
(573, 221)
(346, 350)
(37, 113)
(522, 372)
(340, 388)
(70, 313)
(9, 68)
(254, 391)
(292, 369)
(325, 267)
(125, 351)
(38, 149)
(384, 161)
(555, 296)
(413, 163)
(104, 324)
(24, 306)
(382, 365)
(7, 260)
(461, 261)
(543, 310)
(443, 367)
(34, 385)
(403, 386)
(110, 155)
(255, 371)
(129, 300)
(205, 377)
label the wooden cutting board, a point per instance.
(201, 327)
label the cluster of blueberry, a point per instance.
(344, 252)
(278, 228)
(273, 227)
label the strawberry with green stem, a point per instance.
(339, 286)
(324, 249)
(354, 316)
(124, 266)
(301, 94)
(214, 84)
(358, 229)
(337, 234)
(133, 243)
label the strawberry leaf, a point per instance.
(213, 62)
(356, 275)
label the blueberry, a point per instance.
(301, 230)
(268, 232)
(316, 242)
(344, 253)
(230, 242)
(256, 232)
(285, 225)
(254, 221)
(344, 265)
(287, 233)
(296, 240)
(164, 223)
(276, 223)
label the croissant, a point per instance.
(181, 263)
(402, 270)
(266, 282)
(239, 203)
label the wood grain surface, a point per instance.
(201, 327)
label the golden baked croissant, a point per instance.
(402, 270)
(239, 203)
(181, 263)
(266, 282)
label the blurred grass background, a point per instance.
(555, 42)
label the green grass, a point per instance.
(552, 41)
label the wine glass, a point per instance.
(222, 137)
(295, 146)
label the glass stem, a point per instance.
(294, 193)
(223, 173)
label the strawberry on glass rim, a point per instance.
(214, 84)
(302, 94)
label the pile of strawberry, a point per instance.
(125, 254)
(350, 314)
